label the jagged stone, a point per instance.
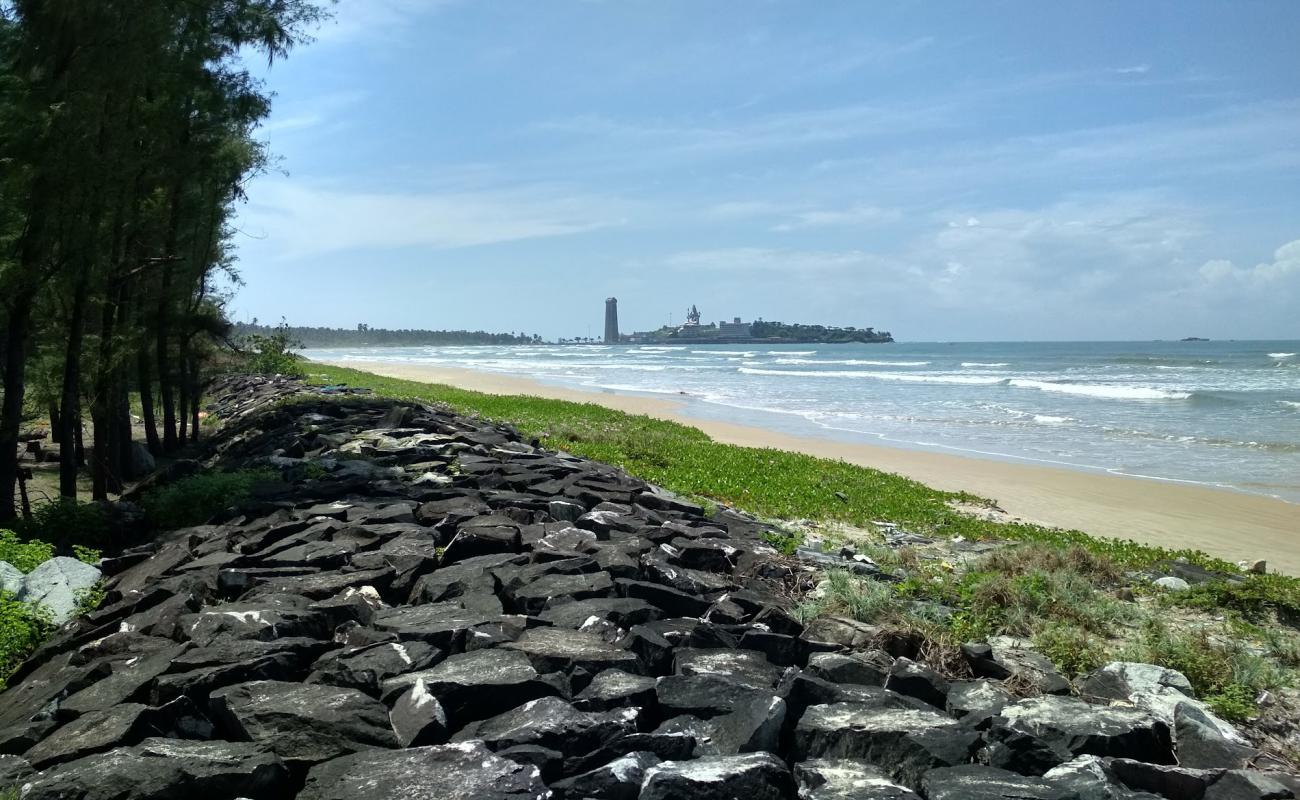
(745, 667)
(870, 669)
(704, 695)
(11, 578)
(620, 779)
(846, 779)
(1160, 691)
(1201, 743)
(159, 769)
(1005, 657)
(624, 612)
(977, 701)
(557, 649)
(534, 597)
(614, 688)
(117, 726)
(418, 718)
(302, 723)
(974, 782)
(366, 668)
(916, 680)
(477, 684)
(461, 771)
(554, 724)
(905, 742)
(754, 776)
(1082, 729)
(480, 541)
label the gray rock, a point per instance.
(462, 771)
(978, 700)
(620, 779)
(906, 742)
(1172, 583)
(975, 782)
(142, 461)
(1201, 743)
(303, 723)
(870, 669)
(57, 585)
(745, 667)
(418, 718)
(476, 685)
(1081, 728)
(11, 579)
(615, 688)
(846, 779)
(158, 769)
(557, 649)
(1007, 657)
(1158, 690)
(919, 681)
(755, 776)
(554, 724)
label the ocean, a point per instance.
(1224, 414)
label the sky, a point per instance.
(941, 170)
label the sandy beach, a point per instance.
(1231, 525)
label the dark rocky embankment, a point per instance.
(424, 605)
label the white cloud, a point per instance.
(752, 259)
(299, 220)
(855, 216)
(1285, 263)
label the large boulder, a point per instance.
(58, 584)
(302, 722)
(11, 578)
(164, 769)
(1073, 726)
(847, 779)
(1160, 691)
(755, 776)
(461, 771)
(905, 742)
(554, 724)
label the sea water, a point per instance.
(1220, 413)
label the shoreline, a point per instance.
(1232, 525)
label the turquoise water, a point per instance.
(1219, 413)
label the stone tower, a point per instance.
(611, 320)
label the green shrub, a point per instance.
(272, 354)
(1235, 702)
(194, 500)
(22, 629)
(67, 524)
(862, 599)
(785, 542)
(26, 556)
(1072, 649)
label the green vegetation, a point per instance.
(25, 556)
(365, 336)
(270, 353)
(22, 629)
(194, 500)
(129, 137)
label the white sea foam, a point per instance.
(1048, 419)
(1281, 355)
(1102, 391)
(791, 352)
(985, 364)
(883, 376)
(746, 353)
(850, 362)
(1289, 404)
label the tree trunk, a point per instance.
(184, 401)
(68, 401)
(145, 378)
(11, 411)
(166, 395)
(56, 432)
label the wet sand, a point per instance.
(1228, 524)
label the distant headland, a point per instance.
(693, 331)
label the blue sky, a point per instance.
(994, 170)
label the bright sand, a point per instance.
(1228, 524)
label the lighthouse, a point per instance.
(611, 320)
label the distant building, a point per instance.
(734, 328)
(611, 320)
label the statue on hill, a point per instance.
(693, 315)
